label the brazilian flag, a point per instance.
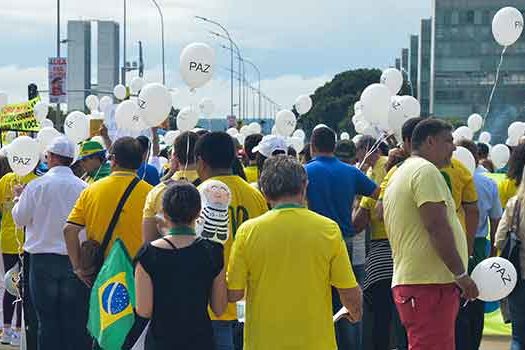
(112, 299)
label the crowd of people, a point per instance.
(387, 232)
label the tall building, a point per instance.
(108, 56)
(404, 60)
(423, 72)
(79, 63)
(464, 60)
(414, 49)
(398, 63)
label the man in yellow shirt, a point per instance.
(97, 203)
(286, 261)
(183, 159)
(251, 171)
(429, 246)
(215, 153)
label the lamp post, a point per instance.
(123, 70)
(162, 39)
(231, 55)
(259, 83)
(242, 72)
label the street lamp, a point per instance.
(231, 55)
(162, 29)
(259, 84)
(242, 73)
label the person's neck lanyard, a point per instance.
(288, 206)
(182, 231)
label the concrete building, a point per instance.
(404, 60)
(414, 50)
(464, 60)
(398, 63)
(79, 63)
(108, 56)
(423, 69)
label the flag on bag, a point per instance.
(112, 299)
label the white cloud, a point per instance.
(283, 90)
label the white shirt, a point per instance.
(43, 209)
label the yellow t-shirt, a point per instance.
(376, 174)
(385, 181)
(415, 261)
(12, 238)
(97, 203)
(461, 183)
(507, 189)
(153, 204)
(247, 203)
(251, 173)
(286, 260)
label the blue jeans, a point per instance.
(517, 311)
(348, 335)
(223, 334)
(61, 302)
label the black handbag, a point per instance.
(512, 245)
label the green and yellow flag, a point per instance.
(113, 299)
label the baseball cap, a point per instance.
(269, 144)
(90, 148)
(61, 146)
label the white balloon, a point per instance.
(45, 136)
(370, 130)
(207, 106)
(464, 156)
(361, 126)
(47, 123)
(321, 126)
(40, 111)
(154, 104)
(358, 117)
(300, 134)
(170, 136)
(358, 106)
(120, 92)
(23, 155)
(255, 128)
(485, 137)
(376, 104)
(475, 122)
(99, 139)
(411, 107)
(104, 103)
(245, 130)
(507, 26)
(274, 130)
(392, 78)
(3, 99)
(10, 136)
(303, 104)
(500, 155)
(356, 138)
(241, 138)
(76, 126)
(197, 64)
(516, 130)
(162, 161)
(232, 132)
(345, 136)
(296, 143)
(12, 281)
(136, 85)
(285, 123)
(396, 114)
(127, 117)
(463, 132)
(92, 102)
(512, 141)
(495, 278)
(187, 119)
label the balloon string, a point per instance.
(18, 277)
(372, 149)
(495, 84)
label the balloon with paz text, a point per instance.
(197, 64)
(127, 118)
(76, 126)
(464, 156)
(154, 104)
(285, 123)
(495, 278)
(23, 155)
(393, 79)
(500, 155)
(507, 26)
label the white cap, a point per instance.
(62, 146)
(269, 144)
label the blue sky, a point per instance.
(298, 45)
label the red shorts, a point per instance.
(428, 313)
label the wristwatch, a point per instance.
(460, 276)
